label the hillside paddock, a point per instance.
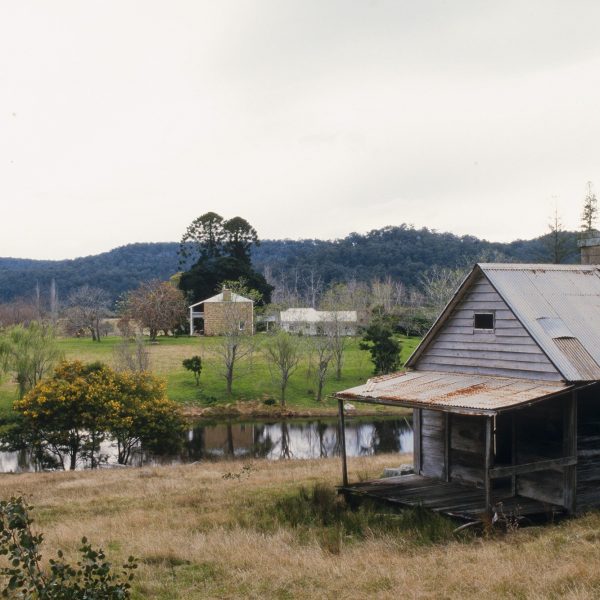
(245, 530)
(255, 382)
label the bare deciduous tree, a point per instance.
(590, 211)
(53, 302)
(236, 345)
(131, 355)
(335, 330)
(313, 283)
(439, 283)
(283, 355)
(157, 306)
(87, 307)
(17, 312)
(321, 345)
(557, 242)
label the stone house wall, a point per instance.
(219, 317)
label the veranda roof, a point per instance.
(453, 392)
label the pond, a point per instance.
(291, 439)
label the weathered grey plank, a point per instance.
(483, 338)
(417, 440)
(490, 355)
(532, 467)
(499, 364)
(491, 371)
(432, 443)
(477, 345)
(546, 486)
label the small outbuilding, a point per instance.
(221, 314)
(505, 394)
(310, 321)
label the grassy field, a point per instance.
(219, 530)
(255, 381)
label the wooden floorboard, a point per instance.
(451, 498)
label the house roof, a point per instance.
(219, 298)
(453, 392)
(558, 305)
(310, 315)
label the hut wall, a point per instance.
(467, 448)
(507, 351)
(588, 449)
(432, 441)
(461, 438)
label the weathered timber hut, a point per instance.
(505, 392)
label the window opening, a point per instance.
(483, 321)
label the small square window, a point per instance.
(483, 321)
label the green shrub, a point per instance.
(193, 364)
(92, 578)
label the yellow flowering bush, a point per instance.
(70, 414)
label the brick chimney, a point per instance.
(226, 295)
(590, 249)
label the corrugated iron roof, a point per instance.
(556, 302)
(219, 298)
(551, 302)
(479, 394)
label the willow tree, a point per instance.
(29, 353)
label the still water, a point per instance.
(268, 440)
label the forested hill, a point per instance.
(401, 252)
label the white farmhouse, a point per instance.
(309, 321)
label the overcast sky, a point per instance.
(122, 121)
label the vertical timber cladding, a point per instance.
(507, 350)
(452, 446)
(467, 448)
(432, 443)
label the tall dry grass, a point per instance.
(192, 528)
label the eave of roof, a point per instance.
(456, 298)
(454, 392)
(219, 298)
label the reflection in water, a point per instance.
(273, 441)
(292, 439)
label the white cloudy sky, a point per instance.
(121, 121)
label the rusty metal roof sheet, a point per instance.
(478, 394)
(559, 305)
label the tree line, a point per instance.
(301, 266)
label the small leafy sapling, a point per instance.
(194, 365)
(91, 578)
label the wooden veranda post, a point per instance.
(342, 434)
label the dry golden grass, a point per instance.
(183, 523)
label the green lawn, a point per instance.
(254, 383)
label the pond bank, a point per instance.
(259, 410)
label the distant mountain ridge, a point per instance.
(401, 252)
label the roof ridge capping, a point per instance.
(536, 267)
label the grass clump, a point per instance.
(320, 510)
